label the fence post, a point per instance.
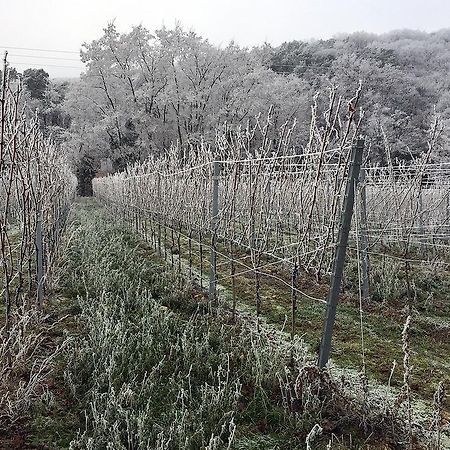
(212, 295)
(364, 240)
(39, 257)
(341, 247)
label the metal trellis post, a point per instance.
(212, 295)
(39, 258)
(341, 247)
(364, 240)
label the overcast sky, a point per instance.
(64, 25)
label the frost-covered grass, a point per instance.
(383, 315)
(27, 357)
(151, 368)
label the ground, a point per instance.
(143, 359)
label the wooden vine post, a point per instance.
(341, 248)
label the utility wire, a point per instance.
(38, 49)
(44, 57)
(44, 65)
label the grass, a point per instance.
(143, 364)
(383, 317)
(148, 367)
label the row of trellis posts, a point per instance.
(356, 174)
(388, 211)
(341, 247)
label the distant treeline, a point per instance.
(144, 91)
(405, 77)
(42, 97)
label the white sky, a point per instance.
(65, 25)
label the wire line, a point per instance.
(7, 47)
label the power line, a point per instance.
(38, 49)
(44, 57)
(44, 65)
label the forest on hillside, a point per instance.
(145, 91)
